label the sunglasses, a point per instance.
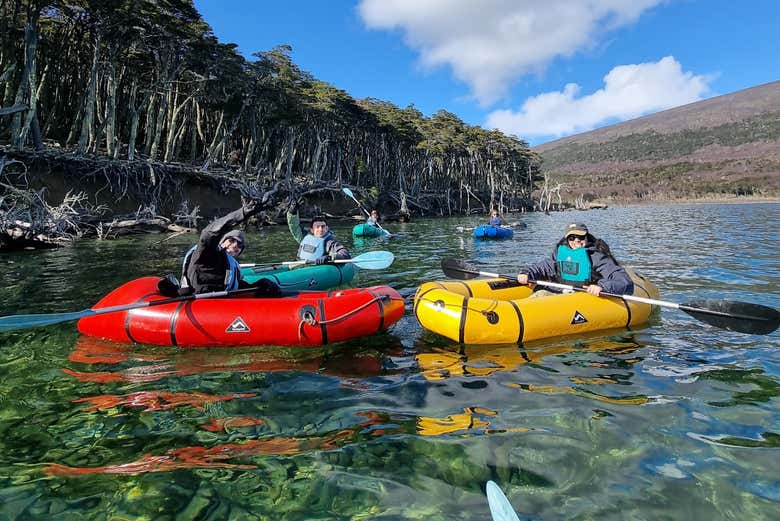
(582, 238)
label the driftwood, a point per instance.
(125, 227)
(22, 236)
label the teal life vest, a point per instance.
(574, 265)
(232, 276)
(312, 247)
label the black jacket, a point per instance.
(208, 269)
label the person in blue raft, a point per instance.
(583, 260)
(495, 219)
(212, 264)
(317, 245)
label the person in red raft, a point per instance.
(583, 260)
(212, 264)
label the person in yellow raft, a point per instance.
(580, 259)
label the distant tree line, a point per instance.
(655, 146)
(148, 80)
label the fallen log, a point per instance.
(126, 227)
(21, 238)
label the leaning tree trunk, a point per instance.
(250, 148)
(88, 123)
(158, 127)
(151, 105)
(213, 147)
(174, 130)
(19, 135)
(167, 76)
(7, 78)
(112, 146)
(133, 111)
(22, 93)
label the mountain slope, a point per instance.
(721, 147)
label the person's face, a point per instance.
(577, 241)
(374, 215)
(319, 229)
(233, 246)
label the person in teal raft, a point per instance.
(212, 264)
(495, 219)
(373, 218)
(580, 259)
(317, 245)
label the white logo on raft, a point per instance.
(238, 326)
(578, 318)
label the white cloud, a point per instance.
(629, 91)
(489, 44)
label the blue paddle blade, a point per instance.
(38, 320)
(374, 260)
(348, 192)
(500, 508)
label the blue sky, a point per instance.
(538, 69)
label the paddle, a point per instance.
(44, 319)
(350, 194)
(372, 260)
(742, 317)
(500, 507)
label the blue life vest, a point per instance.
(574, 265)
(312, 247)
(232, 276)
(495, 221)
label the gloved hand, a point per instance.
(269, 196)
(266, 288)
(168, 286)
(322, 260)
(292, 204)
(251, 207)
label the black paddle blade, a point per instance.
(456, 269)
(742, 317)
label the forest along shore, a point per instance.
(149, 100)
(105, 199)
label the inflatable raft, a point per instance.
(320, 277)
(367, 230)
(498, 311)
(493, 232)
(304, 318)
